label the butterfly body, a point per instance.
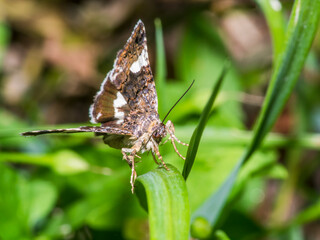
(118, 141)
(126, 106)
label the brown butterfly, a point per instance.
(127, 106)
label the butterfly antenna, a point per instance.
(178, 101)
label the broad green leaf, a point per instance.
(68, 162)
(196, 136)
(39, 197)
(23, 203)
(63, 162)
(165, 195)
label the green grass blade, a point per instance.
(287, 70)
(161, 70)
(196, 136)
(213, 206)
(288, 66)
(164, 194)
(272, 11)
(234, 138)
(308, 215)
(4, 40)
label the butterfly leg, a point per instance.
(156, 151)
(176, 150)
(170, 129)
(154, 158)
(133, 175)
(128, 155)
(173, 138)
(182, 143)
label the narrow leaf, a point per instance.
(273, 13)
(196, 136)
(161, 70)
(4, 40)
(310, 214)
(212, 208)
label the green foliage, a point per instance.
(73, 187)
(285, 75)
(23, 203)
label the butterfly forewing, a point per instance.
(95, 129)
(127, 100)
(128, 88)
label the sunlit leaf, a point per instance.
(165, 195)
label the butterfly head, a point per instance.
(159, 133)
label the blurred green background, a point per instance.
(53, 58)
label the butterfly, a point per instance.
(126, 106)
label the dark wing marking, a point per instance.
(100, 130)
(129, 87)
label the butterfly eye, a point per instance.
(160, 133)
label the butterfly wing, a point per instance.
(127, 95)
(128, 89)
(98, 130)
